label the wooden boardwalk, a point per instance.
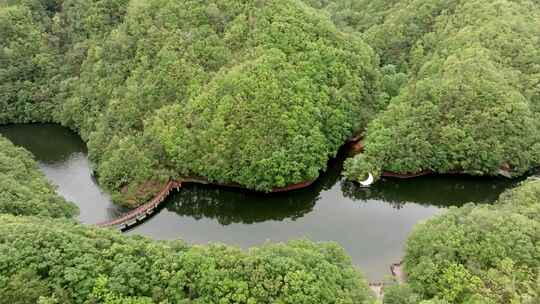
(140, 213)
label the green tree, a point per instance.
(81, 264)
(480, 254)
(470, 104)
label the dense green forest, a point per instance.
(258, 93)
(472, 99)
(261, 93)
(63, 262)
(478, 253)
(24, 189)
(220, 90)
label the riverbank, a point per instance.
(357, 146)
(381, 216)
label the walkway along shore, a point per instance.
(397, 272)
(398, 275)
(141, 213)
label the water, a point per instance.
(371, 224)
(62, 156)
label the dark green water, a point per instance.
(371, 224)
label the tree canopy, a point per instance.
(471, 103)
(262, 93)
(63, 262)
(257, 93)
(480, 254)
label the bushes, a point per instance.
(400, 294)
(74, 264)
(489, 254)
(24, 189)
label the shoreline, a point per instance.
(349, 144)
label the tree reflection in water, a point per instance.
(229, 206)
(440, 191)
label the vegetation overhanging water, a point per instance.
(371, 224)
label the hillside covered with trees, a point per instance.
(479, 254)
(471, 103)
(63, 262)
(257, 93)
(263, 93)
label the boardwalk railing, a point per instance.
(140, 213)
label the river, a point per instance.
(372, 224)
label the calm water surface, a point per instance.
(371, 224)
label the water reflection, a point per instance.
(371, 224)
(440, 191)
(51, 144)
(229, 207)
(62, 156)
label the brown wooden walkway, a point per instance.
(140, 213)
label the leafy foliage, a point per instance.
(24, 189)
(480, 254)
(258, 93)
(42, 45)
(27, 62)
(355, 15)
(471, 103)
(400, 294)
(74, 264)
(221, 90)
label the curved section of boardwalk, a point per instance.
(137, 215)
(140, 213)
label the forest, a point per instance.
(168, 89)
(472, 254)
(57, 261)
(478, 253)
(471, 100)
(47, 257)
(262, 94)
